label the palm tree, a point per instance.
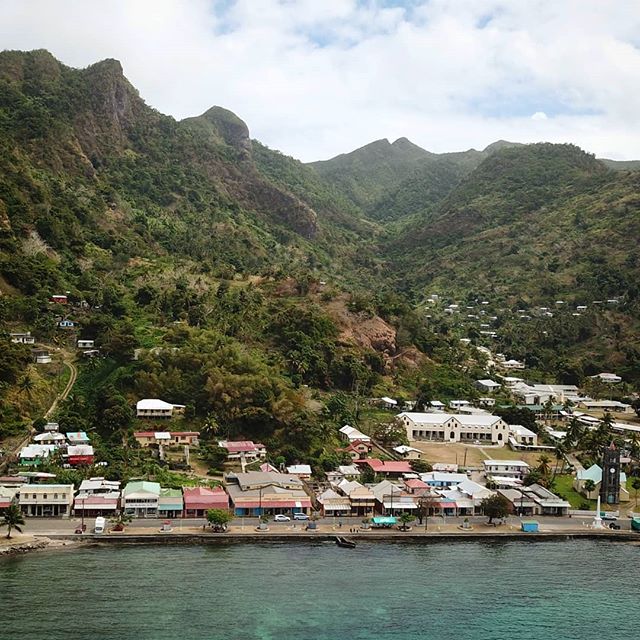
(560, 452)
(26, 385)
(543, 465)
(12, 519)
(589, 486)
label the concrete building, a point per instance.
(246, 450)
(520, 436)
(46, 500)
(155, 408)
(509, 468)
(444, 427)
(140, 499)
(198, 500)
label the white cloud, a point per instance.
(319, 78)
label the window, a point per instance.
(55, 496)
(34, 496)
(44, 496)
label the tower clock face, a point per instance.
(612, 470)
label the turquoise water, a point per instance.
(463, 591)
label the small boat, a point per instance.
(345, 542)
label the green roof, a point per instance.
(170, 493)
(141, 485)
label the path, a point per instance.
(72, 379)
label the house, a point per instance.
(80, 454)
(302, 471)
(350, 434)
(445, 427)
(140, 499)
(389, 403)
(255, 493)
(487, 385)
(334, 504)
(58, 299)
(487, 402)
(392, 468)
(534, 394)
(33, 454)
(153, 408)
(66, 324)
(408, 453)
(458, 404)
(415, 486)
(392, 500)
(22, 338)
(535, 500)
(52, 426)
(468, 497)
(509, 468)
(443, 479)
(170, 503)
(46, 500)
(437, 405)
(358, 450)
(198, 500)
(612, 406)
(50, 437)
(77, 437)
(594, 473)
(86, 344)
(41, 356)
(97, 497)
(447, 467)
(611, 378)
(167, 438)
(8, 496)
(512, 364)
(243, 450)
(522, 436)
(362, 499)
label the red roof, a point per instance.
(4, 504)
(388, 466)
(204, 498)
(144, 434)
(414, 483)
(240, 446)
(273, 504)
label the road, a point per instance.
(435, 523)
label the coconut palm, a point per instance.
(589, 486)
(544, 467)
(12, 519)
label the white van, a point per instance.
(99, 525)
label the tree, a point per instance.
(405, 519)
(219, 519)
(120, 520)
(420, 466)
(543, 465)
(13, 519)
(390, 434)
(635, 484)
(495, 507)
(589, 486)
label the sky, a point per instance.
(315, 78)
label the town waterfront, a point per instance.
(495, 590)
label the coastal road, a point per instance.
(44, 526)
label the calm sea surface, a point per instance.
(317, 591)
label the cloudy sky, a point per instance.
(315, 78)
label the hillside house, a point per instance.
(59, 299)
(350, 434)
(86, 344)
(41, 356)
(66, 324)
(611, 378)
(77, 437)
(34, 454)
(22, 338)
(246, 450)
(80, 454)
(302, 471)
(50, 437)
(358, 450)
(408, 453)
(154, 408)
(167, 438)
(487, 385)
(612, 406)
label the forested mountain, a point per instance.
(254, 284)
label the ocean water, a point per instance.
(316, 591)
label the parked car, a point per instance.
(280, 517)
(300, 516)
(609, 515)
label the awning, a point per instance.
(447, 505)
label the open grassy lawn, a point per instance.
(564, 486)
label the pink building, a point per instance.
(198, 500)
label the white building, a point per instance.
(608, 377)
(606, 405)
(153, 408)
(445, 427)
(522, 436)
(510, 468)
(86, 344)
(487, 385)
(352, 434)
(512, 364)
(46, 500)
(408, 453)
(22, 338)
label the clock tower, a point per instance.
(610, 485)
